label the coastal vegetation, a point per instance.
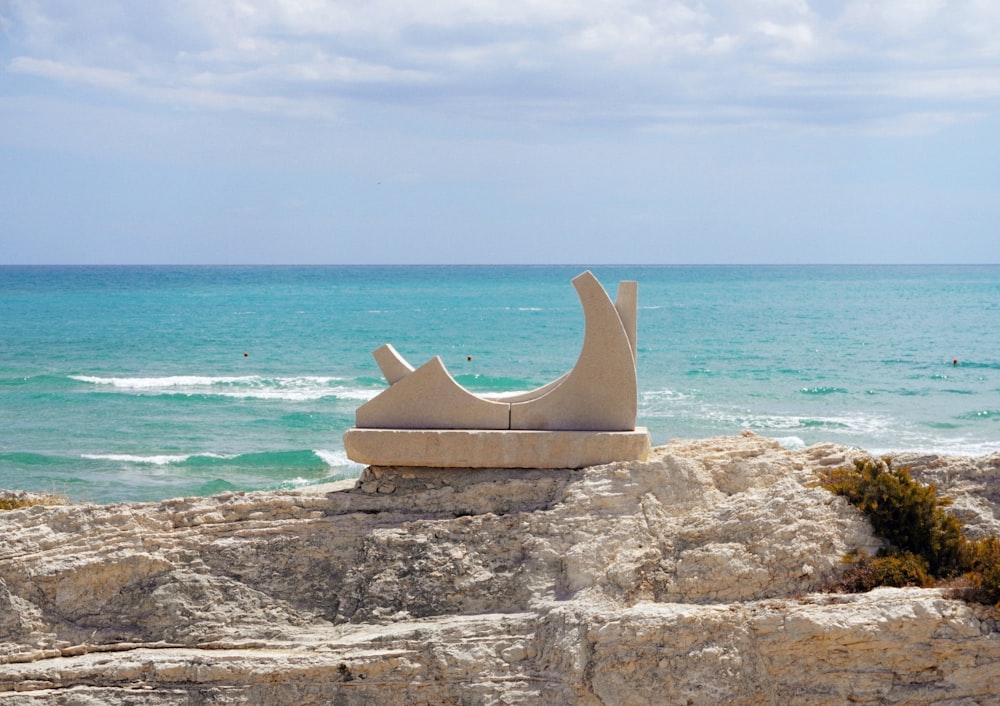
(16, 500)
(925, 543)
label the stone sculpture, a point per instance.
(587, 416)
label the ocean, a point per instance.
(142, 383)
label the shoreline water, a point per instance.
(144, 383)
(348, 481)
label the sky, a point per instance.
(499, 131)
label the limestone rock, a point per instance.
(694, 577)
(972, 484)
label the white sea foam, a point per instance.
(723, 416)
(908, 439)
(862, 430)
(654, 397)
(507, 394)
(864, 424)
(943, 447)
(161, 383)
(334, 459)
(155, 460)
(689, 411)
(299, 388)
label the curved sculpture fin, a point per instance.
(627, 306)
(600, 392)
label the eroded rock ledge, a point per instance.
(692, 578)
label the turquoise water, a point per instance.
(143, 383)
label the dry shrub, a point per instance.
(926, 542)
(15, 500)
(905, 513)
(896, 569)
(984, 570)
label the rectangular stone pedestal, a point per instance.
(486, 448)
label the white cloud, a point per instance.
(627, 60)
(72, 73)
(893, 17)
(970, 85)
(190, 97)
(916, 124)
(318, 69)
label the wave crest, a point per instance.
(261, 459)
(298, 388)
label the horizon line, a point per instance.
(501, 264)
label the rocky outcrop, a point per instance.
(695, 577)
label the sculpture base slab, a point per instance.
(489, 448)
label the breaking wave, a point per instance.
(299, 388)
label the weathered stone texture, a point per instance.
(692, 578)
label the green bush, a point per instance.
(898, 569)
(926, 541)
(984, 569)
(904, 512)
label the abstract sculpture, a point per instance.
(585, 417)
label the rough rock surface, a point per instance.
(692, 578)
